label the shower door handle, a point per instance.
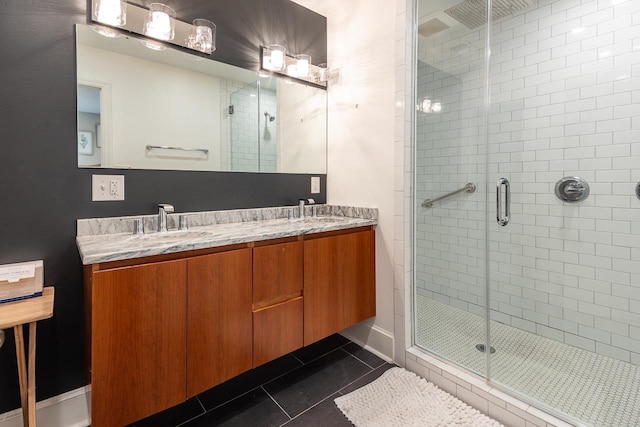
(503, 219)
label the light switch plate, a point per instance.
(107, 187)
(315, 184)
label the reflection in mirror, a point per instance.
(89, 151)
(173, 110)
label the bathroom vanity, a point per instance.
(170, 315)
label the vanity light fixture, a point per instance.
(110, 12)
(426, 105)
(160, 23)
(324, 73)
(302, 65)
(203, 36)
(274, 59)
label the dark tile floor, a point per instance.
(295, 390)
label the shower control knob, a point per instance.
(572, 189)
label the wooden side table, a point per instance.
(16, 314)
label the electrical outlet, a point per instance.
(315, 184)
(107, 187)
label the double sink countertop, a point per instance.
(112, 239)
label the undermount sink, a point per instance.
(172, 236)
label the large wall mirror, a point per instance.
(144, 109)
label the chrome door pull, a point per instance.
(503, 220)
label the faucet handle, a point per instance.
(138, 226)
(183, 222)
(166, 207)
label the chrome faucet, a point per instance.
(301, 209)
(301, 204)
(163, 210)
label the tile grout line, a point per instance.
(336, 392)
(358, 359)
(201, 405)
(312, 406)
(276, 402)
(358, 379)
(323, 354)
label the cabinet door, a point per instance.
(359, 280)
(138, 341)
(277, 273)
(339, 283)
(219, 318)
(323, 296)
(277, 330)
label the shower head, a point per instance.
(473, 13)
(269, 116)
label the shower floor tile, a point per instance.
(596, 389)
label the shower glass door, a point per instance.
(562, 99)
(450, 248)
(565, 272)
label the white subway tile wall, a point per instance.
(252, 135)
(565, 101)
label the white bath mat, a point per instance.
(400, 398)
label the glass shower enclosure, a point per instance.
(253, 127)
(530, 275)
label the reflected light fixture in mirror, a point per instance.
(273, 57)
(323, 74)
(275, 60)
(428, 106)
(302, 65)
(203, 36)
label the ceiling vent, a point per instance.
(431, 27)
(473, 13)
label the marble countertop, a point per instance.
(99, 240)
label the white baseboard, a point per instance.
(373, 338)
(69, 409)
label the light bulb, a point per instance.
(302, 65)
(277, 53)
(160, 24)
(203, 36)
(111, 12)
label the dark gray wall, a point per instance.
(42, 192)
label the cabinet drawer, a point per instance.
(277, 330)
(277, 273)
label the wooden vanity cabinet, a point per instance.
(277, 300)
(165, 328)
(138, 340)
(219, 322)
(339, 282)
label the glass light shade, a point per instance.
(277, 54)
(437, 107)
(302, 65)
(110, 12)
(425, 106)
(324, 74)
(203, 36)
(160, 22)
